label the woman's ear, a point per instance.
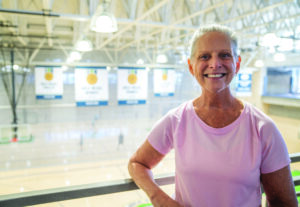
(190, 66)
(238, 64)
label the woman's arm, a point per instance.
(139, 166)
(279, 188)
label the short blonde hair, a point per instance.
(214, 28)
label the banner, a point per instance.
(132, 85)
(243, 84)
(164, 82)
(48, 82)
(91, 86)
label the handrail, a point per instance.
(87, 190)
(73, 192)
(295, 157)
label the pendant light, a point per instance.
(104, 21)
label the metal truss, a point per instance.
(146, 27)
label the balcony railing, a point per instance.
(81, 191)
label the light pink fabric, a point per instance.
(220, 167)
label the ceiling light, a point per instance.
(259, 63)
(84, 45)
(297, 44)
(184, 58)
(103, 20)
(279, 57)
(16, 67)
(75, 55)
(140, 61)
(64, 68)
(285, 44)
(26, 70)
(271, 50)
(161, 58)
(105, 23)
(269, 40)
(69, 60)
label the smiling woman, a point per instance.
(214, 60)
(225, 148)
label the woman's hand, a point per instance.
(163, 200)
(140, 166)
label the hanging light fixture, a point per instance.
(84, 45)
(259, 63)
(140, 61)
(161, 58)
(104, 21)
(279, 57)
(75, 55)
(269, 40)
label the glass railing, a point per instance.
(119, 191)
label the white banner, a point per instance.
(91, 86)
(132, 85)
(48, 82)
(164, 82)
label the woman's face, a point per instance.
(214, 64)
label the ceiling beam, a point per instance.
(257, 11)
(133, 11)
(263, 9)
(129, 26)
(175, 66)
(14, 31)
(47, 6)
(174, 23)
(109, 56)
(126, 7)
(35, 52)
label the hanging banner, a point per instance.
(132, 85)
(91, 86)
(243, 84)
(48, 82)
(164, 82)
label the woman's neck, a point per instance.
(220, 100)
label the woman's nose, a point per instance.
(215, 63)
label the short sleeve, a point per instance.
(274, 150)
(160, 137)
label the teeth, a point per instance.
(214, 75)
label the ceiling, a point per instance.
(44, 32)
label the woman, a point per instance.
(224, 148)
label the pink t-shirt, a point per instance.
(220, 166)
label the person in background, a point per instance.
(120, 140)
(225, 148)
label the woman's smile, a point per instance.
(215, 75)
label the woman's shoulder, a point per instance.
(260, 119)
(181, 110)
(255, 111)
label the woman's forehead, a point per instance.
(214, 40)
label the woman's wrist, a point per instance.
(159, 198)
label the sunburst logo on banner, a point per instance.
(49, 74)
(132, 77)
(92, 77)
(165, 75)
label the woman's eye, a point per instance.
(225, 55)
(203, 57)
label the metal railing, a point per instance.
(87, 190)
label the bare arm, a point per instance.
(139, 166)
(279, 188)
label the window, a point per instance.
(282, 81)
